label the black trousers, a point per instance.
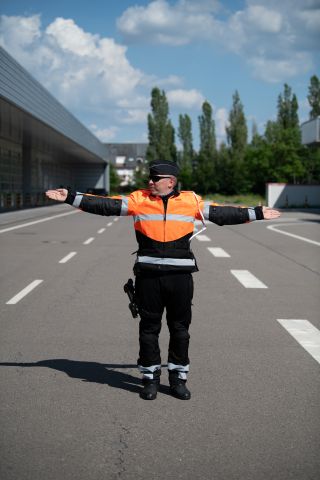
(155, 292)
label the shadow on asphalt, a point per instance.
(95, 372)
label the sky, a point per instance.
(101, 59)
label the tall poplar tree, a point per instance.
(314, 97)
(187, 154)
(205, 163)
(237, 131)
(237, 138)
(161, 132)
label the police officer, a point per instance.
(164, 225)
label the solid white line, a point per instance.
(247, 279)
(274, 228)
(68, 257)
(203, 238)
(24, 292)
(23, 225)
(101, 230)
(218, 252)
(109, 224)
(88, 241)
(306, 335)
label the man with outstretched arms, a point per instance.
(164, 225)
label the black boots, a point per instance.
(178, 386)
(150, 388)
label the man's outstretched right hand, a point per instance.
(60, 194)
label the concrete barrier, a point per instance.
(283, 195)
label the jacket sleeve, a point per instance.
(231, 215)
(116, 205)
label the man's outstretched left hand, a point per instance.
(270, 213)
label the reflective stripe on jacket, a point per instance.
(163, 231)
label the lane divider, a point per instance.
(307, 335)
(101, 230)
(218, 252)
(24, 292)
(87, 242)
(275, 228)
(67, 257)
(109, 224)
(23, 225)
(203, 238)
(247, 279)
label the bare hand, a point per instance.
(59, 194)
(270, 213)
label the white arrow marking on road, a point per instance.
(306, 335)
(218, 252)
(24, 292)
(203, 238)
(23, 225)
(88, 241)
(247, 279)
(68, 257)
(275, 228)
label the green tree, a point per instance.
(187, 154)
(237, 131)
(284, 139)
(237, 138)
(161, 132)
(314, 97)
(205, 160)
(114, 179)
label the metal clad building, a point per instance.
(42, 145)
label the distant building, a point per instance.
(310, 132)
(126, 157)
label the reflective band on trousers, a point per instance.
(143, 217)
(181, 262)
(77, 200)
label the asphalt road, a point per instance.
(69, 402)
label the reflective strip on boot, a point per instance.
(181, 370)
(150, 372)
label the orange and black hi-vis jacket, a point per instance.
(164, 227)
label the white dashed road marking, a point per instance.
(109, 224)
(306, 335)
(218, 252)
(203, 238)
(247, 279)
(37, 221)
(67, 257)
(87, 242)
(275, 228)
(101, 230)
(24, 292)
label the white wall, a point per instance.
(282, 195)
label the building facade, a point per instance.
(42, 145)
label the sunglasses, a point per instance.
(156, 178)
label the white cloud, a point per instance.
(76, 66)
(104, 134)
(288, 30)
(221, 120)
(135, 116)
(185, 98)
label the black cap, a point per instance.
(164, 167)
